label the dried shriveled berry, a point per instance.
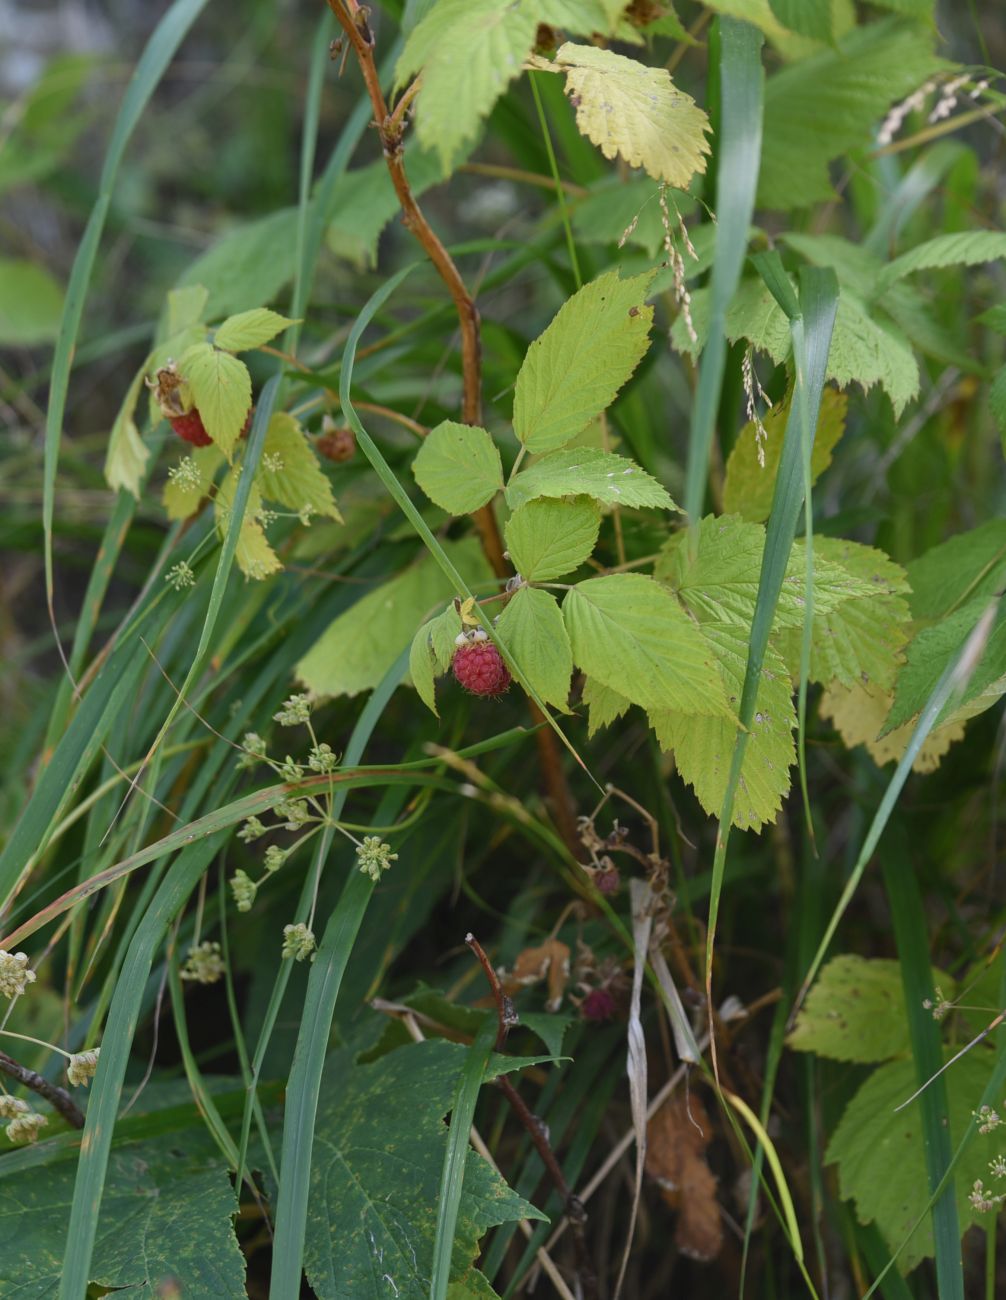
(479, 666)
(598, 1005)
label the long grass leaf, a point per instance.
(917, 980)
(738, 154)
(118, 1038)
(456, 1154)
(160, 50)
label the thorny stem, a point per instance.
(573, 1206)
(353, 18)
(58, 1098)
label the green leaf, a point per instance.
(185, 307)
(615, 209)
(962, 248)
(573, 370)
(547, 538)
(997, 403)
(221, 389)
(421, 665)
(31, 304)
(532, 630)
(432, 653)
(364, 201)
(182, 499)
(249, 329)
(855, 1011)
(604, 705)
(632, 635)
(468, 51)
(635, 112)
(860, 641)
(748, 485)
(865, 349)
(458, 467)
(703, 747)
(166, 1221)
(613, 480)
(289, 472)
(358, 648)
(968, 566)
(820, 107)
(929, 653)
(581, 17)
(811, 18)
(880, 1156)
(719, 583)
(247, 265)
(378, 1151)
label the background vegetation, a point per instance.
(824, 254)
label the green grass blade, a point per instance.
(917, 979)
(456, 1154)
(116, 1043)
(812, 337)
(738, 158)
(160, 50)
(319, 1007)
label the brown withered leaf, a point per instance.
(550, 962)
(677, 1137)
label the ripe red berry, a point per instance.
(479, 667)
(191, 428)
(598, 1005)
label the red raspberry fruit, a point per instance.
(191, 428)
(479, 667)
(598, 1005)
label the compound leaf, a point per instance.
(289, 472)
(221, 388)
(249, 329)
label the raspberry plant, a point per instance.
(608, 444)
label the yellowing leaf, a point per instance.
(860, 641)
(126, 458)
(249, 329)
(532, 630)
(703, 747)
(748, 486)
(573, 370)
(221, 389)
(632, 636)
(859, 713)
(469, 51)
(289, 472)
(255, 557)
(630, 109)
(547, 539)
(458, 467)
(856, 1011)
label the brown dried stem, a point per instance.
(58, 1098)
(353, 18)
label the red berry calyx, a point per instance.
(478, 665)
